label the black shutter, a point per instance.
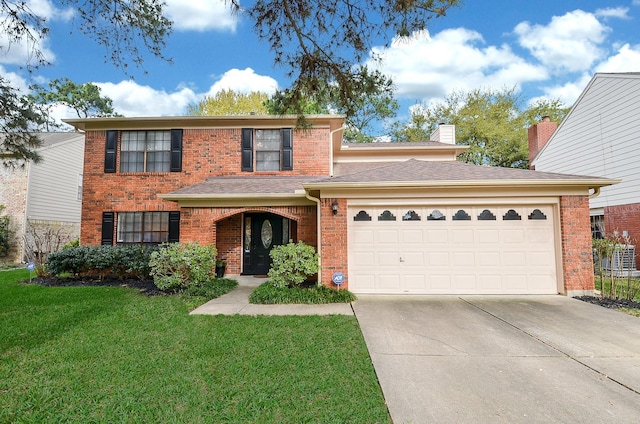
(176, 151)
(247, 149)
(107, 227)
(111, 146)
(287, 149)
(174, 227)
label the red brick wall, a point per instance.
(223, 227)
(624, 218)
(538, 135)
(577, 253)
(206, 153)
(334, 241)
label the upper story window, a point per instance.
(267, 149)
(144, 151)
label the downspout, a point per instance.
(342, 128)
(596, 192)
(318, 232)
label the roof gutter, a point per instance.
(318, 232)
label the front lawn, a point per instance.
(110, 354)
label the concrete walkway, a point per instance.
(237, 302)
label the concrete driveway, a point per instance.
(477, 359)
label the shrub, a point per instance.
(178, 266)
(104, 261)
(267, 294)
(5, 233)
(291, 264)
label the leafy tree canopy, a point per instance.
(228, 102)
(322, 42)
(84, 99)
(18, 117)
(491, 122)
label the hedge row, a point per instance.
(131, 261)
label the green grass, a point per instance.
(622, 285)
(267, 294)
(109, 354)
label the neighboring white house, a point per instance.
(601, 137)
(44, 199)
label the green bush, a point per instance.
(178, 266)
(292, 264)
(5, 233)
(103, 261)
(267, 294)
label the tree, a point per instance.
(18, 117)
(491, 122)
(228, 102)
(120, 26)
(85, 98)
(318, 42)
(371, 106)
(322, 42)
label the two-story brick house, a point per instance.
(392, 217)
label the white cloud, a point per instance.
(244, 81)
(15, 80)
(567, 93)
(200, 15)
(132, 99)
(626, 60)
(613, 12)
(636, 2)
(21, 53)
(428, 67)
(569, 42)
(49, 11)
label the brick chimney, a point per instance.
(539, 134)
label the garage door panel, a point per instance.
(464, 259)
(387, 236)
(413, 259)
(481, 255)
(415, 282)
(438, 236)
(486, 259)
(363, 259)
(438, 259)
(386, 259)
(413, 236)
(362, 236)
(513, 236)
(490, 236)
(463, 236)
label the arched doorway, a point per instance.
(261, 232)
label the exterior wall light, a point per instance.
(334, 207)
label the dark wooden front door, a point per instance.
(262, 231)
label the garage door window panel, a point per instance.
(461, 215)
(362, 216)
(511, 215)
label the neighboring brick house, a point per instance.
(44, 199)
(391, 217)
(599, 136)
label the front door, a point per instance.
(262, 231)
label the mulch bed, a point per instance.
(610, 303)
(147, 287)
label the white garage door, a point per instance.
(452, 250)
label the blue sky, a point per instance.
(545, 49)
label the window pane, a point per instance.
(268, 161)
(158, 162)
(131, 161)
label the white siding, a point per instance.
(53, 183)
(600, 137)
